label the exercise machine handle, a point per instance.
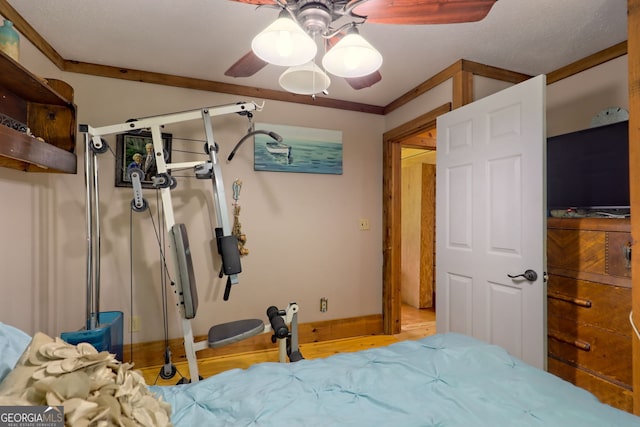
(278, 324)
(272, 135)
(227, 289)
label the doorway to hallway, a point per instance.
(418, 133)
(417, 283)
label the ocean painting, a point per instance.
(304, 150)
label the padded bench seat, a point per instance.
(228, 333)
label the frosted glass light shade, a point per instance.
(284, 43)
(307, 79)
(352, 56)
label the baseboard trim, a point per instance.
(152, 353)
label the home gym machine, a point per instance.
(283, 323)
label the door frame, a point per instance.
(393, 141)
(461, 73)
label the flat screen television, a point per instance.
(589, 169)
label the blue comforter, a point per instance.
(442, 380)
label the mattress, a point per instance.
(442, 380)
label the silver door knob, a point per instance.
(530, 275)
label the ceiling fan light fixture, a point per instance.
(352, 56)
(284, 43)
(306, 79)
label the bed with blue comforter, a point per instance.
(442, 380)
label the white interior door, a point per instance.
(491, 220)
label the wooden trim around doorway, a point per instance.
(391, 193)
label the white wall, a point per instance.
(484, 86)
(303, 229)
(573, 101)
(431, 100)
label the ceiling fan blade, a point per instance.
(246, 66)
(364, 81)
(418, 12)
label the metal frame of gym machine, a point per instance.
(185, 289)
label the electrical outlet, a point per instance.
(323, 305)
(364, 224)
(134, 325)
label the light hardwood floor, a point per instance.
(416, 324)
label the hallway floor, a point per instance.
(417, 323)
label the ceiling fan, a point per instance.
(317, 17)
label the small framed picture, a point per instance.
(135, 150)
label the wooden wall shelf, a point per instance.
(46, 107)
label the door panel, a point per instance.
(459, 224)
(504, 206)
(506, 323)
(459, 300)
(491, 221)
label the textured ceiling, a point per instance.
(202, 38)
